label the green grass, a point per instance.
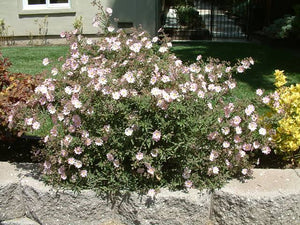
(266, 58)
(29, 59)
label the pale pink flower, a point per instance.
(98, 142)
(225, 130)
(76, 103)
(62, 34)
(68, 90)
(128, 131)
(71, 161)
(63, 176)
(28, 121)
(244, 171)
(83, 173)
(116, 163)
(236, 120)
(252, 126)
(262, 131)
(78, 164)
(109, 11)
(61, 170)
(266, 150)
(54, 71)
(199, 57)
(250, 109)
(51, 109)
(247, 147)
(237, 139)
(116, 95)
(74, 46)
(242, 153)
(88, 142)
(215, 170)
(84, 59)
(188, 184)
(238, 130)
(156, 91)
(156, 135)
(151, 193)
(163, 49)
(64, 153)
(36, 125)
(53, 131)
(213, 155)
(47, 165)
(259, 92)
(139, 156)
(256, 144)
(155, 39)
(110, 29)
(240, 69)
(151, 170)
(110, 157)
(78, 150)
(266, 100)
(226, 144)
(136, 47)
(45, 61)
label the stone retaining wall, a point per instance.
(272, 197)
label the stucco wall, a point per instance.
(22, 22)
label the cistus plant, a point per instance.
(129, 115)
(285, 105)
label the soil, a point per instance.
(19, 149)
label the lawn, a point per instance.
(29, 59)
(267, 59)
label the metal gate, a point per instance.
(224, 19)
(221, 19)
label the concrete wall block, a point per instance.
(11, 203)
(166, 208)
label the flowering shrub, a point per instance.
(16, 89)
(285, 103)
(128, 115)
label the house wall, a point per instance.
(23, 22)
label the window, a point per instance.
(46, 4)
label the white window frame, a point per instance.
(48, 5)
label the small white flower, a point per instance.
(128, 131)
(139, 156)
(109, 11)
(110, 29)
(45, 61)
(215, 170)
(262, 131)
(244, 171)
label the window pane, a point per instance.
(36, 2)
(58, 1)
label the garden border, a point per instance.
(271, 197)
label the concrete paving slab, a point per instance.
(272, 197)
(19, 221)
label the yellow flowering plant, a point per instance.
(285, 103)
